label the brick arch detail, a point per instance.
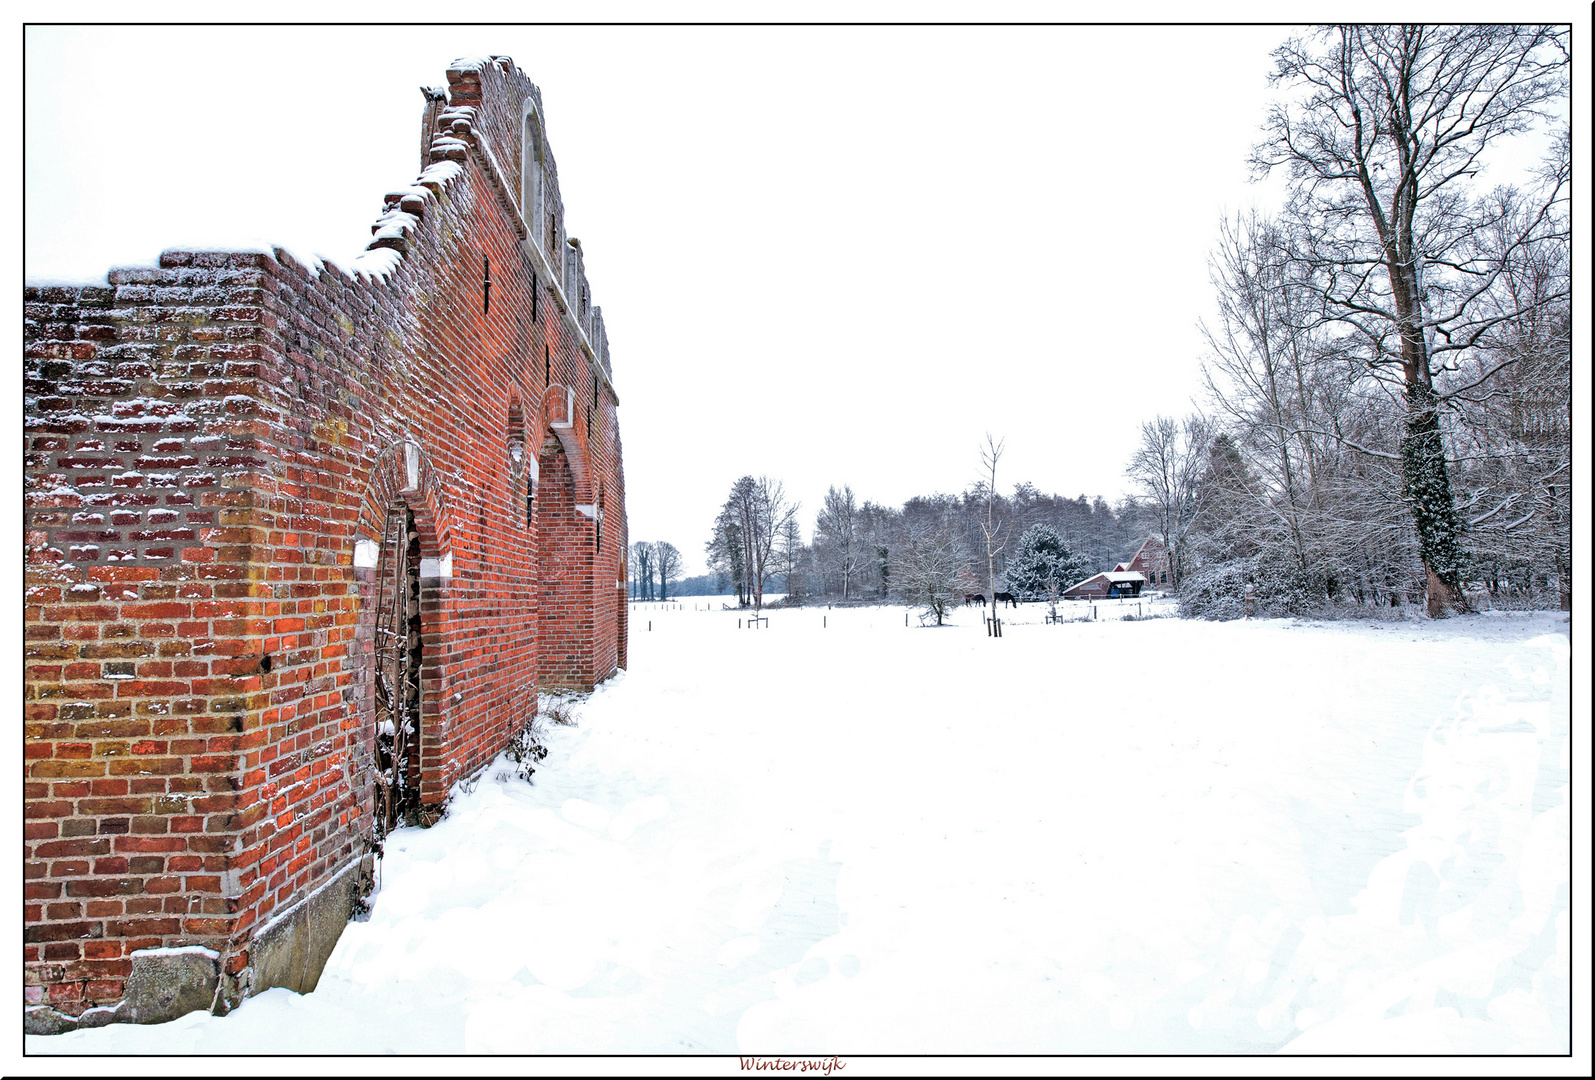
(404, 471)
(559, 421)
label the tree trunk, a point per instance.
(991, 581)
(1428, 491)
(1423, 458)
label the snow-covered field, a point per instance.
(1151, 836)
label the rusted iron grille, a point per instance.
(398, 675)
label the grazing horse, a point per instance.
(974, 598)
(1005, 598)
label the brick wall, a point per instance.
(210, 445)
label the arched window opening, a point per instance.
(532, 171)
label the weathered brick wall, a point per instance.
(138, 685)
(211, 449)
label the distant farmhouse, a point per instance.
(1149, 567)
(1151, 561)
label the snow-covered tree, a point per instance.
(877, 524)
(793, 559)
(928, 567)
(1384, 131)
(1167, 468)
(1043, 565)
(1513, 435)
(838, 546)
(744, 540)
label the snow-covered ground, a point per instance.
(1152, 836)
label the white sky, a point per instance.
(831, 255)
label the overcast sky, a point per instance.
(829, 255)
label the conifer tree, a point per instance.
(1043, 565)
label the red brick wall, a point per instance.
(205, 443)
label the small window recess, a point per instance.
(568, 417)
(531, 489)
(522, 467)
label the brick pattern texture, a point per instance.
(207, 443)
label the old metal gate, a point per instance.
(397, 780)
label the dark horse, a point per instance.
(1005, 598)
(974, 598)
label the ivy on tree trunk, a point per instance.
(1428, 489)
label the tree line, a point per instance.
(652, 567)
(931, 552)
(1388, 377)
(1387, 413)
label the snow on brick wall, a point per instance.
(206, 443)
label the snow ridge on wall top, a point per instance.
(401, 214)
(477, 63)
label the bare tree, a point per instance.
(667, 565)
(642, 561)
(1514, 433)
(1265, 373)
(1168, 468)
(791, 558)
(1281, 393)
(992, 530)
(836, 538)
(755, 514)
(1386, 128)
(927, 570)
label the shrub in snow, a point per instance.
(526, 749)
(559, 709)
(1282, 588)
(1216, 591)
